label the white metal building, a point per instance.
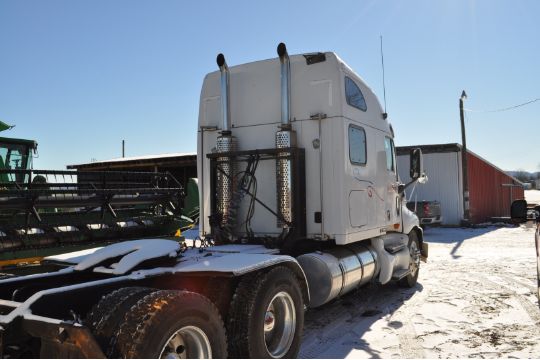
(491, 190)
(443, 168)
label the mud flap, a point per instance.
(424, 252)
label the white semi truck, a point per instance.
(300, 204)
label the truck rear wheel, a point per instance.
(172, 324)
(105, 317)
(414, 261)
(266, 316)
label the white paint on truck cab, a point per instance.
(358, 195)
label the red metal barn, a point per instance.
(491, 190)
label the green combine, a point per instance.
(48, 212)
(16, 154)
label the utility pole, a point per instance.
(464, 161)
(123, 148)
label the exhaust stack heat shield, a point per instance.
(285, 138)
(225, 143)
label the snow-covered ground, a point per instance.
(476, 297)
(532, 196)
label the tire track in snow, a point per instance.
(509, 280)
(531, 309)
(328, 325)
(315, 344)
(325, 326)
(409, 346)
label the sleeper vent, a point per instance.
(315, 58)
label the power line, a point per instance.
(504, 109)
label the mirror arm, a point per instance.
(402, 187)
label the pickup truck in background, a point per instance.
(521, 212)
(428, 212)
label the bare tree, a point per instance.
(522, 175)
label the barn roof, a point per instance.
(446, 148)
(159, 159)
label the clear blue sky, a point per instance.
(80, 76)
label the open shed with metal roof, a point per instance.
(182, 166)
(491, 190)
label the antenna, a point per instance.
(383, 82)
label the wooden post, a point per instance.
(464, 161)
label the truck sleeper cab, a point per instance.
(300, 204)
(350, 167)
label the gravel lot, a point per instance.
(475, 298)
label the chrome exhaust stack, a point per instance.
(225, 92)
(285, 139)
(285, 85)
(225, 143)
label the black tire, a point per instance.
(152, 323)
(105, 317)
(249, 310)
(414, 262)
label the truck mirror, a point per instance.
(416, 163)
(518, 211)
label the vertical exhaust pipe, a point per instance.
(285, 138)
(285, 85)
(225, 102)
(225, 143)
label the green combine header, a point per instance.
(45, 212)
(48, 212)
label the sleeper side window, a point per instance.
(389, 149)
(357, 145)
(353, 95)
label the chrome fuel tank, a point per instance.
(337, 271)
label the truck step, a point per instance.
(394, 248)
(400, 274)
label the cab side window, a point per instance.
(389, 149)
(357, 145)
(353, 95)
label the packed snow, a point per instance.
(532, 196)
(74, 257)
(476, 297)
(135, 253)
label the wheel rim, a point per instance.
(414, 262)
(279, 324)
(189, 342)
